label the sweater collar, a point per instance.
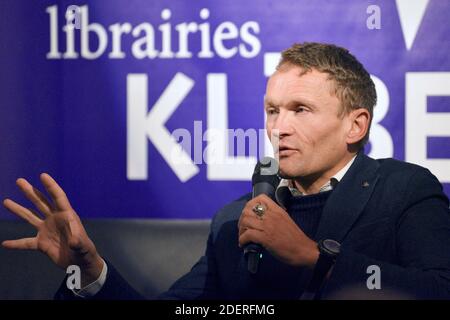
(288, 184)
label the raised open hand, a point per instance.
(60, 233)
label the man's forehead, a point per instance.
(289, 69)
(299, 80)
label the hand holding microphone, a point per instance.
(263, 223)
(264, 181)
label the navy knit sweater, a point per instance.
(306, 211)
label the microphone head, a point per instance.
(266, 170)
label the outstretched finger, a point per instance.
(35, 196)
(56, 192)
(21, 244)
(22, 212)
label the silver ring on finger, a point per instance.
(259, 210)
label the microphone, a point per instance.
(265, 180)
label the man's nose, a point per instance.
(282, 125)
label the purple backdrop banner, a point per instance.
(125, 102)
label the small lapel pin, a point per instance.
(365, 184)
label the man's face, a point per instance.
(303, 112)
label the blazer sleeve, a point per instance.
(199, 283)
(114, 288)
(422, 243)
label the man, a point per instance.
(339, 215)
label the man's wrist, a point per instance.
(94, 287)
(91, 273)
(313, 256)
(308, 256)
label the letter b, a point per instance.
(88, 28)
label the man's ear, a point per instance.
(359, 125)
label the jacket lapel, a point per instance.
(349, 198)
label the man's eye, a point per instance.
(300, 109)
(271, 111)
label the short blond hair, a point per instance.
(353, 85)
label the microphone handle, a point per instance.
(263, 188)
(253, 253)
(252, 250)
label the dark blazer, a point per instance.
(386, 213)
